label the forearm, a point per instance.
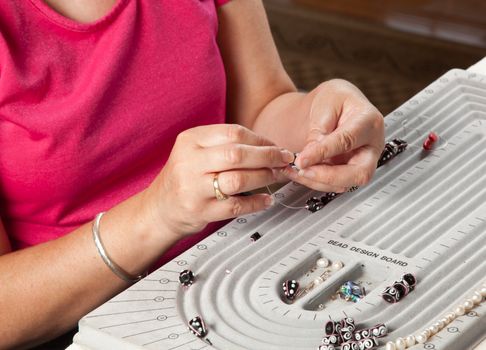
(46, 289)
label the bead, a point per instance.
(290, 289)
(430, 141)
(363, 334)
(322, 262)
(391, 295)
(476, 298)
(369, 343)
(421, 338)
(328, 197)
(468, 305)
(402, 288)
(256, 236)
(351, 345)
(337, 265)
(348, 322)
(442, 323)
(197, 327)
(313, 204)
(451, 316)
(332, 339)
(459, 310)
(390, 346)
(391, 149)
(400, 344)
(410, 279)
(379, 330)
(332, 327)
(318, 280)
(346, 334)
(433, 329)
(410, 340)
(186, 278)
(292, 163)
(326, 347)
(482, 291)
(427, 332)
(351, 291)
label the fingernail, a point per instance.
(307, 173)
(287, 156)
(269, 201)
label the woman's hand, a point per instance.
(182, 196)
(345, 139)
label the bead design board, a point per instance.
(424, 212)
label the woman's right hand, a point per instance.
(182, 196)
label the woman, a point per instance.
(118, 106)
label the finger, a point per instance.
(236, 206)
(239, 156)
(220, 134)
(238, 181)
(279, 175)
(339, 175)
(315, 185)
(342, 140)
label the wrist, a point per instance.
(153, 225)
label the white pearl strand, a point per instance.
(467, 305)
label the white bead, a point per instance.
(427, 332)
(459, 310)
(322, 262)
(477, 298)
(451, 316)
(468, 305)
(410, 340)
(400, 344)
(482, 291)
(443, 322)
(390, 346)
(421, 338)
(438, 325)
(318, 280)
(338, 265)
(433, 329)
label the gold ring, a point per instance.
(220, 196)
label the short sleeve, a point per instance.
(221, 2)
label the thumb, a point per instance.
(339, 141)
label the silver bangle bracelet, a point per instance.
(117, 270)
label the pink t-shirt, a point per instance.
(89, 112)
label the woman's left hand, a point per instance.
(345, 138)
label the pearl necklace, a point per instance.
(467, 305)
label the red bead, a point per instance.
(429, 142)
(433, 137)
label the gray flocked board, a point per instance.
(424, 212)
